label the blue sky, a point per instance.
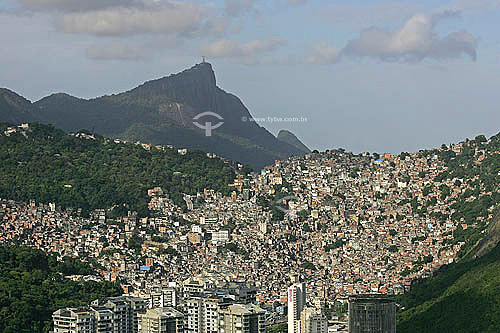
(368, 75)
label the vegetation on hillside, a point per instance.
(462, 297)
(478, 165)
(47, 165)
(278, 328)
(32, 287)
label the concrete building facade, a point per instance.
(242, 318)
(372, 313)
(296, 303)
(161, 320)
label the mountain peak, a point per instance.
(9, 94)
(291, 139)
(202, 71)
(13, 107)
(199, 78)
(162, 111)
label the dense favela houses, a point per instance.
(347, 224)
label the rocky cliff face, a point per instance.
(161, 112)
(196, 86)
(290, 138)
(491, 238)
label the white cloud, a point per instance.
(323, 53)
(355, 18)
(131, 17)
(226, 48)
(74, 5)
(178, 18)
(414, 41)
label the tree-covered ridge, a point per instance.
(462, 297)
(47, 165)
(475, 165)
(32, 287)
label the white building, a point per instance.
(237, 318)
(196, 228)
(203, 314)
(313, 321)
(108, 315)
(220, 236)
(296, 304)
(104, 320)
(71, 320)
(163, 297)
(161, 320)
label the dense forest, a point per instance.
(32, 287)
(48, 165)
(462, 297)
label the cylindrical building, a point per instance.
(372, 313)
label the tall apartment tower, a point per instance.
(103, 320)
(237, 318)
(120, 306)
(372, 313)
(202, 313)
(161, 320)
(296, 304)
(137, 305)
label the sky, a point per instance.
(377, 76)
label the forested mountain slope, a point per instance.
(89, 172)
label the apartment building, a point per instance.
(203, 311)
(74, 320)
(296, 303)
(107, 315)
(161, 320)
(313, 321)
(242, 318)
